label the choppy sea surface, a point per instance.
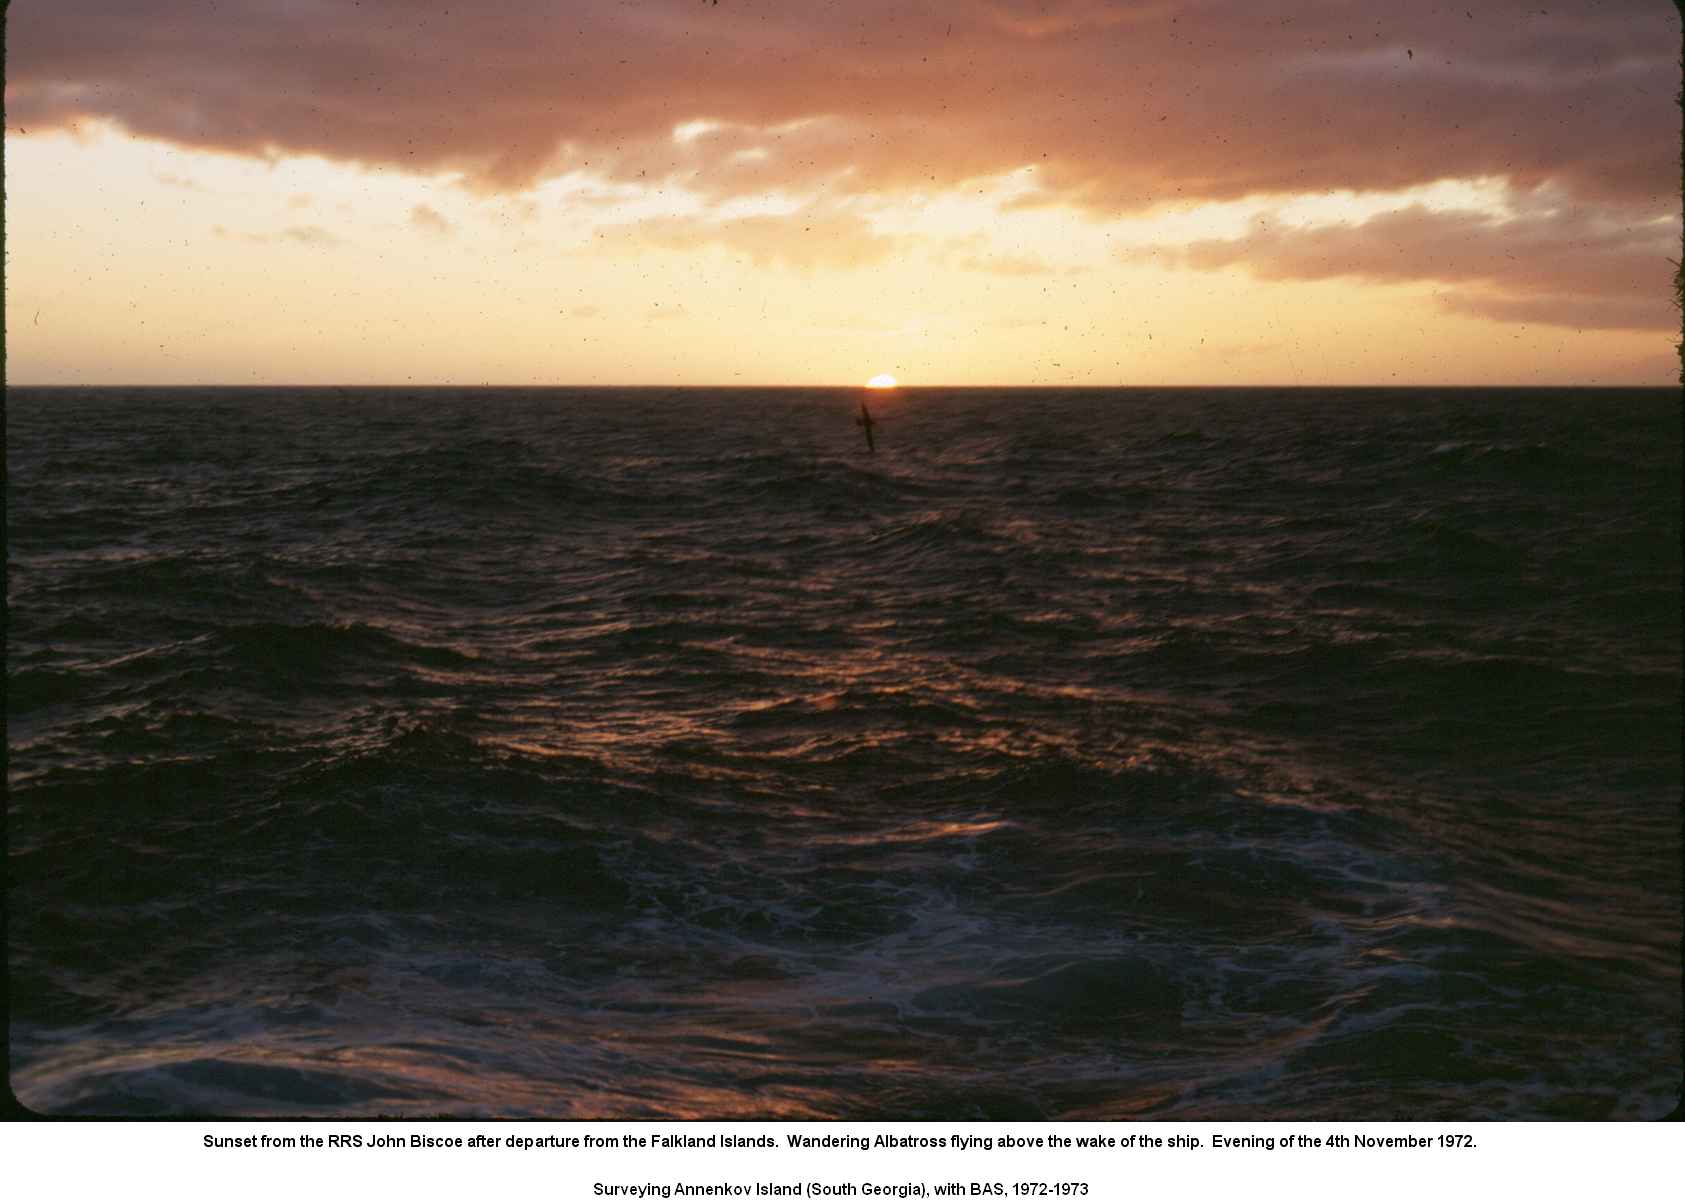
(1080, 754)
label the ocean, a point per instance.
(661, 753)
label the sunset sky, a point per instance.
(783, 192)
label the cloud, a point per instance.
(1006, 264)
(972, 253)
(308, 235)
(1118, 103)
(1578, 312)
(427, 218)
(804, 240)
(1554, 266)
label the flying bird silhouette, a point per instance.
(865, 422)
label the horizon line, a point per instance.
(853, 387)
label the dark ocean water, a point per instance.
(1099, 754)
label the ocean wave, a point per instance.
(631, 753)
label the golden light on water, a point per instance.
(881, 381)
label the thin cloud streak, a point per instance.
(426, 217)
(306, 235)
(1556, 267)
(804, 240)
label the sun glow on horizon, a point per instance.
(881, 381)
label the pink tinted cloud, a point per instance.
(1119, 104)
(1553, 266)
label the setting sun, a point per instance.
(881, 381)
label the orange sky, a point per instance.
(759, 192)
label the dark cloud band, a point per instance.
(1121, 104)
